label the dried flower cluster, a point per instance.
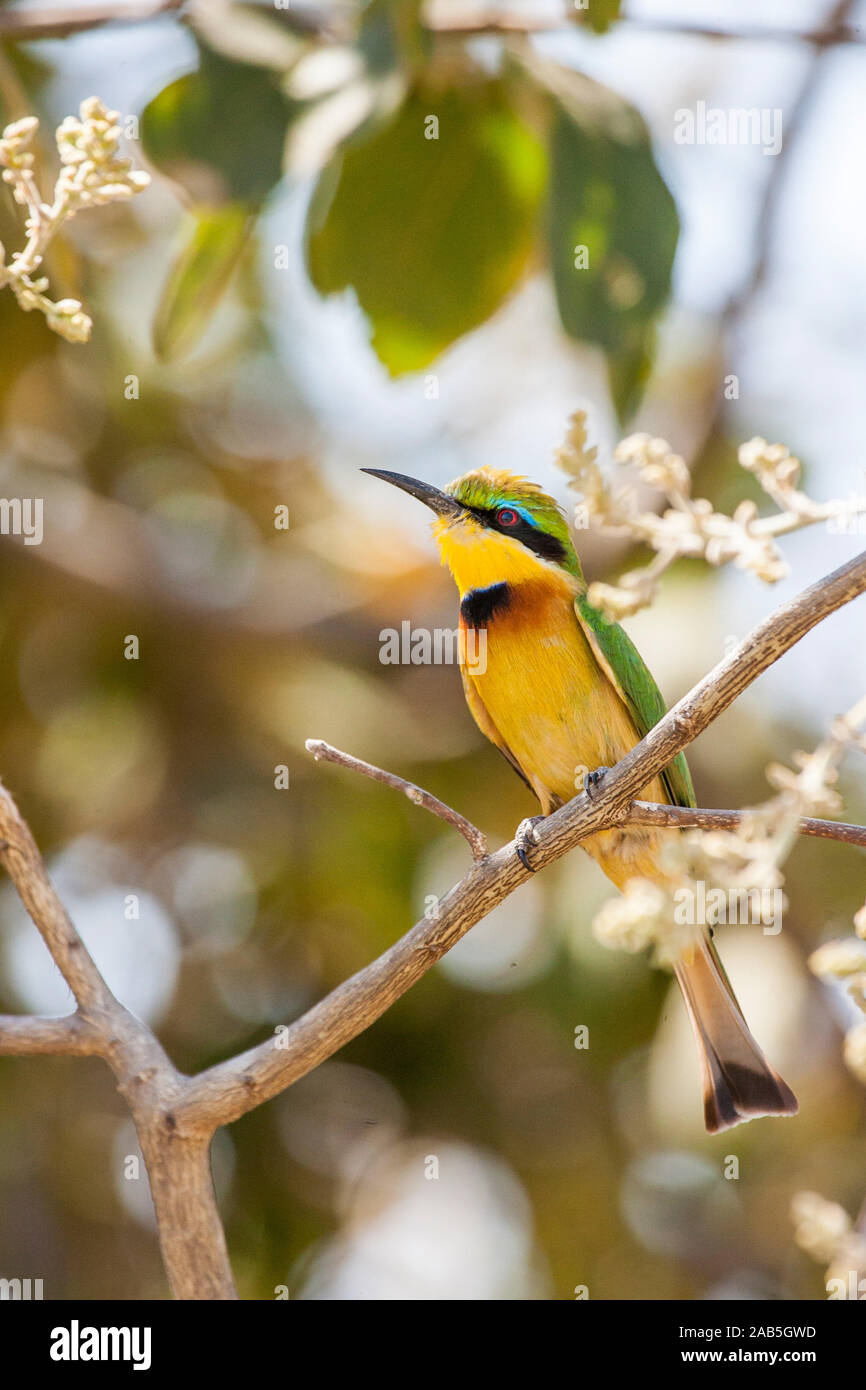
(845, 959)
(644, 916)
(690, 526)
(739, 862)
(92, 173)
(826, 1232)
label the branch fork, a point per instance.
(176, 1116)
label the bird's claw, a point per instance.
(526, 838)
(592, 780)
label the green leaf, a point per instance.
(608, 198)
(599, 15)
(219, 132)
(199, 278)
(392, 35)
(431, 234)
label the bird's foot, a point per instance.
(592, 781)
(526, 837)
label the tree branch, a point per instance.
(176, 1116)
(223, 1093)
(652, 813)
(63, 22)
(417, 795)
(23, 863)
(639, 812)
(745, 294)
(190, 1234)
(324, 23)
(827, 35)
(27, 1036)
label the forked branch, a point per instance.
(177, 1115)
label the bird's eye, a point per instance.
(507, 516)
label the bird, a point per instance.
(564, 694)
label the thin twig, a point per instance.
(827, 35)
(475, 23)
(25, 1036)
(23, 862)
(417, 795)
(739, 302)
(22, 25)
(653, 813)
(768, 211)
(639, 813)
(326, 24)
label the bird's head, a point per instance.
(493, 526)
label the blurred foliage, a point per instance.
(218, 131)
(226, 168)
(155, 777)
(451, 172)
(600, 14)
(604, 193)
(432, 231)
(197, 281)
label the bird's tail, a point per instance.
(738, 1081)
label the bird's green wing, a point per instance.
(624, 666)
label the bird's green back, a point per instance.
(623, 663)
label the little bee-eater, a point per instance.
(562, 689)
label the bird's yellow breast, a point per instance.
(540, 693)
(537, 690)
(545, 694)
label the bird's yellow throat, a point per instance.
(478, 557)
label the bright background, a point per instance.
(155, 777)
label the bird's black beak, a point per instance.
(438, 502)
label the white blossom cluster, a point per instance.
(746, 859)
(92, 173)
(689, 526)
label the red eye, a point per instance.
(507, 516)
